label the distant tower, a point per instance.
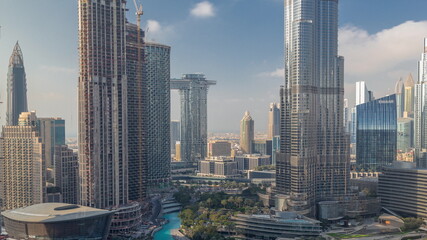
(16, 87)
(175, 134)
(420, 113)
(273, 121)
(23, 182)
(409, 97)
(400, 97)
(193, 90)
(246, 133)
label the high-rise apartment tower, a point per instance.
(313, 163)
(22, 165)
(103, 101)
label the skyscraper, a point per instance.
(273, 121)
(52, 132)
(376, 133)
(400, 97)
(22, 165)
(16, 87)
(67, 173)
(409, 97)
(102, 92)
(420, 113)
(157, 80)
(193, 90)
(362, 93)
(347, 120)
(175, 134)
(247, 133)
(313, 163)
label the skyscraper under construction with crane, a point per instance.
(112, 148)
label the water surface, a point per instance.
(165, 232)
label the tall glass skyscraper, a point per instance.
(157, 80)
(273, 121)
(16, 87)
(314, 162)
(420, 111)
(376, 133)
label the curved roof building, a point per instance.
(57, 221)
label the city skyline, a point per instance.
(52, 68)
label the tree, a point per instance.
(224, 203)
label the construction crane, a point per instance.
(138, 75)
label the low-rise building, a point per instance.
(252, 161)
(57, 221)
(218, 167)
(403, 189)
(282, 224)
(219, 148)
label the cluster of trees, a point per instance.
(184, 195)
(265, 167)
(411, 224)
(202, 219)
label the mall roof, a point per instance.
(53, 212)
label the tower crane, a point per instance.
(138, 79)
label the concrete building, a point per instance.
(247, 133)
(16, 87)
(313, 163)
(103, 104)
(219, 148)
(403, 188)
(399, 90)
(57, 221)
(263, 147)
(178, 151)
(22, 164)
(405, 134)
(67, 173)
(157, 79)
(376, 133)
(52, 132)
(409, 97)
(252, 161)
(222, 167)
(273, 121)
(347, 120)
(280, 225)
(175, 134)
(193, 90)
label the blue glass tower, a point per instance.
(16, 87)
(376, 133)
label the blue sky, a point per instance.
(239, 43)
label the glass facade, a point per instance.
(16, 87)
(376, 133)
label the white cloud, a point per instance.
(386, 50)
(278, 73)
(380, 58)
(157, 32)
(203, 9)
